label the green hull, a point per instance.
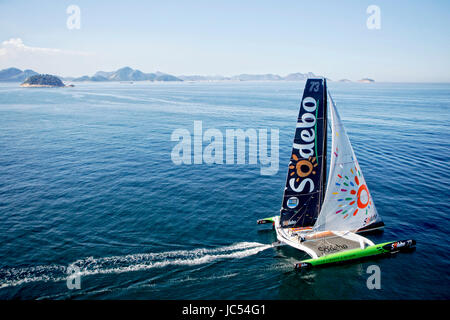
(354, 254)
(266, 220)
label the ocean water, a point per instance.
(87, 181)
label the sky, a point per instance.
(329, 38)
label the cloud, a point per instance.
(16, 46)
(15, 53)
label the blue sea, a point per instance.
(87, 181)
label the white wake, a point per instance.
(128, 263)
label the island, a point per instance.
(43, 81)
(366, 80)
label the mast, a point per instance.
(325, 137)
(304, 192)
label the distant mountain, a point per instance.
(296, 76)
(83, 78)
(124, 74)
(128, 74)
(103, 74)
(345, 80)
(251, 77)
(15, 75)
(257, 77)
(97, 78)
(299, 76)
(366, 80)
(203, 78)
(164, 77)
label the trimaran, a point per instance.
(325, 217)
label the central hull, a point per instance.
(317, 244)
(379, 249)
(348, 246)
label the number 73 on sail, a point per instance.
(324, 215)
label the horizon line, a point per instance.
(229, 76)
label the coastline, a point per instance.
(26, 85)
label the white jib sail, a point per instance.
(348, 205)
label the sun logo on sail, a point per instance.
(354, 194)
(303, 168)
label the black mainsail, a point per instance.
(306, 180)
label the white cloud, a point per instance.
(16, 46)
(14, 53)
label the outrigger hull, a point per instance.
(266, 220)
(378, 249)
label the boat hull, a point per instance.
(378, 249)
